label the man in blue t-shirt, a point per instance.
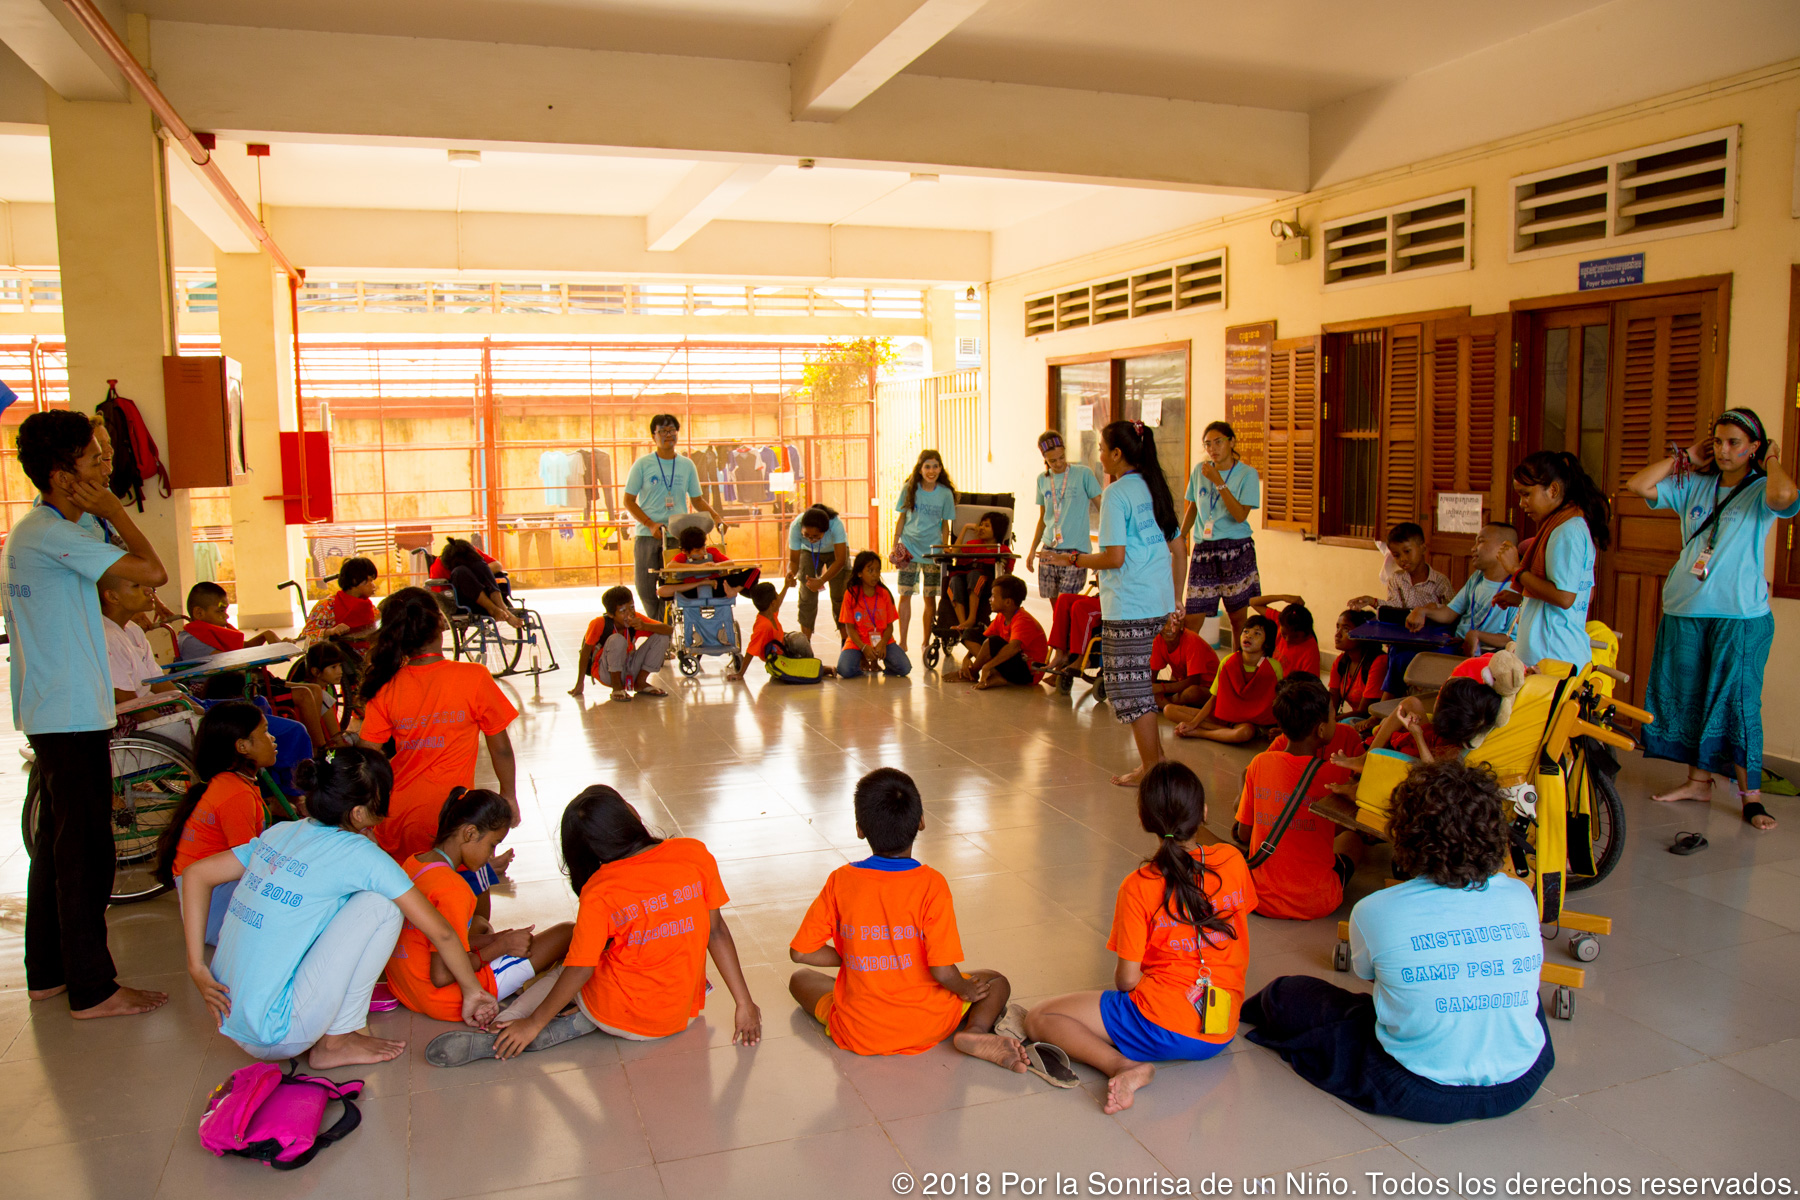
(62, 699)
(658, 490)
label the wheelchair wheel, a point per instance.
(1608, 813)
(688, 661)
(151, 777)
(933, 651)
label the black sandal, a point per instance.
(1752, 810)
(1688, 843)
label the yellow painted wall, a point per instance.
(1758, 253)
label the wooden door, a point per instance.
(1663, 388)
(1467, 391)
(1291, 478)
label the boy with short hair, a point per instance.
(1304, 878)
(1015, 645)
(766, 635)
(623, 648)
(1477, 620)
(694, 549)
(889, 926)
(128, 653)
(1412, 582)
(209, 631)
(1192, 664)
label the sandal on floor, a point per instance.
(1752, 810)
(652, 692)
(1688, 843)
(1051, 1064)
(459, 1048)
(1012, 1023)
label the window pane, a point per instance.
(1084, 384)
(1556, 390)
(1593, 399)
(1163, 376)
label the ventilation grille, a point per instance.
(1685, 186)
(1420, 238)
(1188, 285)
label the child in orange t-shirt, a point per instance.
(1015, 647)
(1296, 645)
(438, 713)
(1243, 692)
(767, 638)
(636, 966)
(1304, 878)
(887, 923)
(1179, 921)
(1192, 664)
(470, 827)
(231, 745)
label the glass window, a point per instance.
(1158, 383)
(1078, 386)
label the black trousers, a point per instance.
(70, 882)
(1013, 670)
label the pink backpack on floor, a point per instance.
(261, 1112)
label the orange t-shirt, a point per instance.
(1297, 656)
(409, 969)
(764, 633)
(643, 926)
(1297, 881)
(1245, 696)
(890, 920)
(1191, 656)
(1034, 646)
(230, 813)
(1171, 953)
(437, 713)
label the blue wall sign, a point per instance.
(1612, 272)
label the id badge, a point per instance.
(1206, 531)
(1699, 568)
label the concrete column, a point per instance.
(256, 329)
(112, 238)
(940, 328)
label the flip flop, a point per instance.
(621, 696)
(1012, 1023)
(1051, 1064)
(1688, 843)
(460, 1047)
(652, 692)
(382, 999)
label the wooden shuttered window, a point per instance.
(1468, 420)
(1291, 477)
(1400, 433)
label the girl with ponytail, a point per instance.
(436, 712)
(633, 971)
(1180, 929)
(313, 917)
(1556, 567)
(1137, 584)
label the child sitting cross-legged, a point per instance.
(767, 639)
(623, 648)
(1243, 693)
(888, 925)
(1192, 664)
(636, 965)
(1180, 929)
(1305, 876)
(470, 828)
(1016, 647)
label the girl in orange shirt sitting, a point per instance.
(1243, 699)
(1181, 932)
(867, 620)
(636, 966)
(1358, 671)
(231, 745)
(470, 827)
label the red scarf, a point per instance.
(1536, 550)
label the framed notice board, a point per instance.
(1247, 388)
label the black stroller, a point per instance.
(963, 567)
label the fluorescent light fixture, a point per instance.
(925, 177)
(465, 158)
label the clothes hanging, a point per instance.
(553, 470)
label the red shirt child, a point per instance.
(1190, 657)
(1034, 643)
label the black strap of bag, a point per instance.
(1288, 812)
(1707, 524)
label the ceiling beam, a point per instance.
(703, 193)
(190, 192)
(868, 44)
(49, 40)
(285, 84)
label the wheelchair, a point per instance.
(990, 561)
(475, 636)
(703, 621)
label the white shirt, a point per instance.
(129, 657)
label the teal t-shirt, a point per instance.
(1546, 631)
(834, 536)
(924, 526)
(297, 875)
(60, 679)
(1143, 586)
(1243, 483)
(1475, 609)
(662, 487)
(1065, 500)
(1456, 978)
(1734, 585)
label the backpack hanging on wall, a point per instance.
(135, 457)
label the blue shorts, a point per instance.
(481, 879)
(1140, 1039)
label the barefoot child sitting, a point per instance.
(623, 648)
(888, 925)
(1192, 665)
(1180, 929)
(470, 828)
(1016, 646)
(767, 639)
(1305, 875)
(1243, 693)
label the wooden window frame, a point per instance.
(1116, 392)
(1787, 556)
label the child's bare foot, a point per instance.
(350, 1049)
(500, 862)
(1121, 1087)
(1691, 789)
(126, 1002)
(47, 993)
(1001, 1051)
(1129, 778)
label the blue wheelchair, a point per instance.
(703, 618)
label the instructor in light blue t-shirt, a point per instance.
(1706, 679)
(658, 490)
(62, 699)
(923, 513)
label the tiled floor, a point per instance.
(1683, 1058)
